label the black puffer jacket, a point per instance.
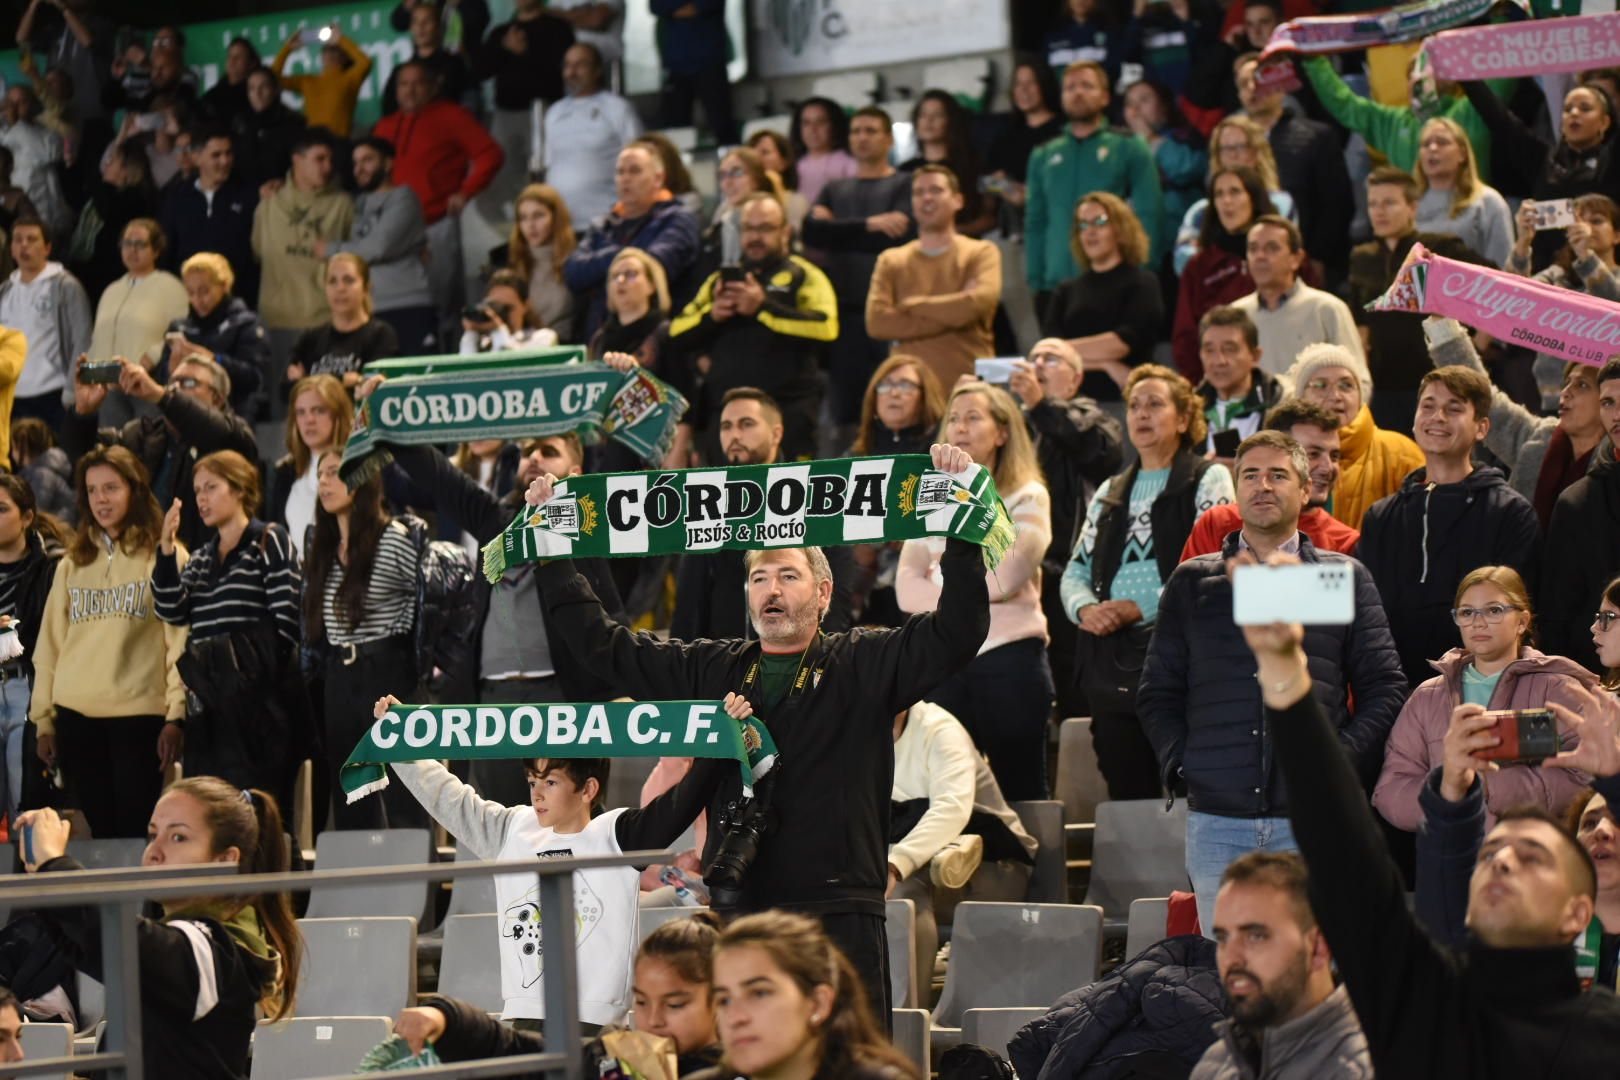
(1200, 703)
(1166, 1000)
(236, 337)
(1422, 540)
(1582, 556)
(51, 477)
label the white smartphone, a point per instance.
(1555, 214)
(996, 370)
(1319, 594)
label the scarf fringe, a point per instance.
(368, 468)
(367, 788)
(495, 559)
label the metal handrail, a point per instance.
(120, 893)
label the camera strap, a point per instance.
(807, 676)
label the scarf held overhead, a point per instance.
(511, 401)
(756, 508)
(1573, 43)
(595, 730)
(1319, 34)
(1562, 323)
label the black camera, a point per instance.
(745, 822)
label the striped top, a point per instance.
(390, 607)
(259, 579)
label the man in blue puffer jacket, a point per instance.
(1200, 703)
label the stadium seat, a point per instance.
(468, 896)
(302, 810)
(1079, 783)
(1006, 955)
(900, 922)
(357, 967)
(911, 1035)
(779, 123)
(654, 917)
(40, 1041)
(852, 89)
(1146, 923)
(352, 849)
(1044, 820)
(967, 80)
(996, 1027)
(1139, 850)
(315, 1045)
(114, 854)
(470, 968)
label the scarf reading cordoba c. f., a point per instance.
(868, 500)
(599, 729)
(528, 394)
(1562, 323)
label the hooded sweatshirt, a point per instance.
(1422, 540)
(1417, 742)
(101, 632)
(292, 295)
(1373, 465)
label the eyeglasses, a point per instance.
(1605, 619)
(186, 382)
(135, 242)
(1491, 613)
(627, 274)
(736, 173)
(1093, 223)
(1343, 386)
(899, 386)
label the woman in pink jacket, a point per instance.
(1498, 668)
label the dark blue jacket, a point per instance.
(1200, 702)
(1167, 1000)
(192, 225)
(668, 232)
(1421, 541)
(236, 337)
(692, 46)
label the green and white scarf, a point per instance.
(514, 395)
(594, 730)
(868, 500)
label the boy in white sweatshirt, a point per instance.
(558, 824)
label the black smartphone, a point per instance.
(1226, 443)
(733, 275)
(100, 372)
(475, 313)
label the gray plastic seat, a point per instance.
(900, 921)
(1080, 783)
(353, 849)
(119, 853)
(1043, 819)
(1139, 850)
(40, 1041)
(654, 917)
(1145, 924)
(468, 896)
(357, 967)
(911, 1036)
(996, 1027)
(470, 967)
(315, 1045)
(1012, 955)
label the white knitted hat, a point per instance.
(1323, 354)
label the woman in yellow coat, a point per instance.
(1373, 461)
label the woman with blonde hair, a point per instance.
(1004, 697)
(1131, 542)
(1453, 199)
(1235, 141)
(353, 338)
(1113, 312)
(320, 416)
(219, 327)
(237, 598)
(638, 309)
(108, 702)
(791, 1006)
(542, 238)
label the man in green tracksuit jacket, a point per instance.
(1087, 157)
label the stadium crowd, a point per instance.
(1138, 299)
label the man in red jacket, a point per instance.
(1317, 430)
(444, 155)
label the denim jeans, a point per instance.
(1214, 841)
(14, 697)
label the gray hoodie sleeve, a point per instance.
(398, 232)
(74, 314)
(1512, 425)
(478, 823)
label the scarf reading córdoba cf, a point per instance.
(866, 500)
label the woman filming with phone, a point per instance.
(1495, 668)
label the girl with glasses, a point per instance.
(135, 311)
(1606, 636)
(1496, 667)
